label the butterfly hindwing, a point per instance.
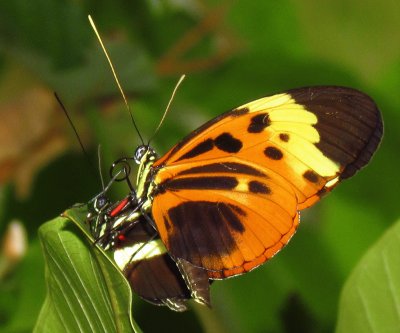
(143, 261)
(153, 274)
(227, 197)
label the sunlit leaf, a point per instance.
(370, 300)
(85, 291)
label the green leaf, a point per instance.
(85, 291)
(23, 292)
(370, 300)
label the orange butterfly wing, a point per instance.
(226, 198)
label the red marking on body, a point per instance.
(120, 206)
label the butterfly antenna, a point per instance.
(168, 107)
(115, 76)
(99, 161)
(75, 131)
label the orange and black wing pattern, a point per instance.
(227, 197)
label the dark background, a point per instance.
(231, 52)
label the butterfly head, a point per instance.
(143, 154)
(96, 210)
(100, 203)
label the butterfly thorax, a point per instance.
(145, 156)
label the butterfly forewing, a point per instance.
(211, 214)
(226, 197)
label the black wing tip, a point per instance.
(308, 94)
(368, 152)
(364, 107)
(323, 89)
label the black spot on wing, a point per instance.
(227, 167)
(284, 137)
(201, 148)
(258, 187)
(349, 124)
(227, 143)
(203, 230)
(199, 183)
(273, 153)
(311, 176)
(258, 123)
(240, 112)
(229, 114)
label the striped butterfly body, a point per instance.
(227, 197)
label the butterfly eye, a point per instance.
(139, 153)
(100, 203)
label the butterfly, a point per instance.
(228, 197)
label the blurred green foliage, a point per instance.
(232, 53)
